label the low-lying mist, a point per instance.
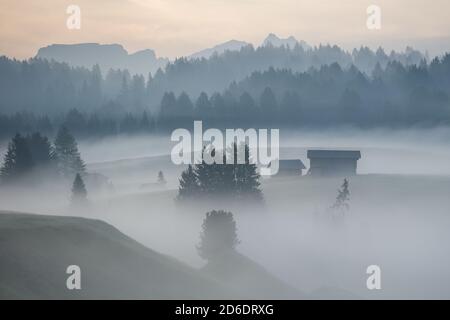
(398, 218)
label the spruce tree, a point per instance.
(215, 179)
(218, 236)
(343, 197)
(79, 193)
(206, 176)
(18, 160)
(189, 187)
(68, 156)
(161, 179)
(227, 179)
(268, 103)
(41, 150)
(145, 125)
(341, 205)
(247, 178)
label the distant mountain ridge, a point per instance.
(107, 56)
(115, 56)
(232, 45)
(291, 42)
(236, 45)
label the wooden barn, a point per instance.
(290, 167)
(333, 162)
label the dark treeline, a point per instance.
(28, 155)
(43, 86)
(214, 74)
(393, 95)
(81, 124)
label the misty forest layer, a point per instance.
(282, 86)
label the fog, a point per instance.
(398, 218)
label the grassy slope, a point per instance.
(36, 250)
(242, 274)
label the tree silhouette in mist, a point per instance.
(66, 149)
(79, 193)
(161, 179)
(341, 206)
(218, 235)
(236, 180)
(17, 161)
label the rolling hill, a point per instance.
(35, 251)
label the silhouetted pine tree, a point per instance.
(341, 206)
(247, 178)
(145, 124)
(18, 160)
(268, 103)
(79, 193)
(161, 179)
(189, 187)
(207, 176)
(343, 197)
(239, 179)
(66, 149)
(41, 150)
(218, 236)
(228, 177)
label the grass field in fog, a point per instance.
(398, 219)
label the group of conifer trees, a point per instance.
(35, 153)
(236, 180)
(31, 158)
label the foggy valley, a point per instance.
(398, 215)
(224, 150)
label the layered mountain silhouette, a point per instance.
(114, 56)
(107, 56)
(291, 42)
(232, 45)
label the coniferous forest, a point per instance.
(366, 89)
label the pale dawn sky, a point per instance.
(180, 27)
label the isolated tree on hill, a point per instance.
(218, 236)
(341, 204)
(18, 160)
(68, 156)
(161, 179)
(189, 187)
(79, 193)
